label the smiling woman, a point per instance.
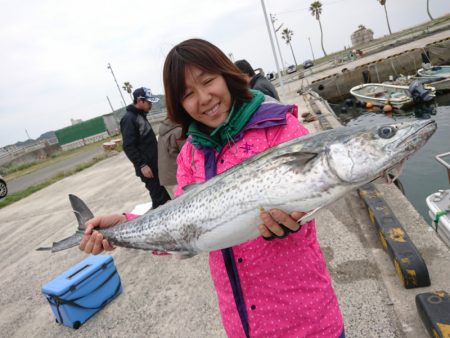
(227, 123)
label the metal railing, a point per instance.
(440, 159)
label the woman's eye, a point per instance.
(187, 94)
(208, 80)
(386, 132)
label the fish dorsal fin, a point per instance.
(81, 211)
(189, 187)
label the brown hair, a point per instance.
(207, 57)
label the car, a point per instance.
(291, 69)
(3, 188)
(271, 76)
(307, 64)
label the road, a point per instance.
(38, 176)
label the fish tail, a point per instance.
(82, 214)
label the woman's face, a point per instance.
(207, 98)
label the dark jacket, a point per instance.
(261, 83)
(139, 140)
(169, 145)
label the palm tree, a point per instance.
(383, 3)
(128, 88)
(428, 10)
(286, 35)
(316, 10)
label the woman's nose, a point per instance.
(204, 96)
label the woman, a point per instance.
(276, 285)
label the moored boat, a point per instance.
(379, 94)
(434, 71)
(437, 76)
(439, 207)
(398, 96)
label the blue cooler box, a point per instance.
(84, 289)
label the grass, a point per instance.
(14, 197)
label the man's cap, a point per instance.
(145, 94)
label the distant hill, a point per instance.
(45, 136)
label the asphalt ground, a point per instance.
(40, 175)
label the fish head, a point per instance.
(363, 154)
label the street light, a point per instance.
(118, 88)
(273, 48)
(273, 19)
(310, 46)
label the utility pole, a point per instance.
(112, 109)
(273, 19)
(310, 46)
(273, 47)
(118, 88)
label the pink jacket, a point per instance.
(283, 285)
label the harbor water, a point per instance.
(422, 175)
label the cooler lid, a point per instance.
(76, 274)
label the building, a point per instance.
(361, 35)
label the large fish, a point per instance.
(303, 174)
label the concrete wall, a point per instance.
(337, 86)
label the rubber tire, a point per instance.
(76, 325)
(3, 189)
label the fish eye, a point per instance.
(386, 132)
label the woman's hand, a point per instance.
(93, 242)
(275, 219)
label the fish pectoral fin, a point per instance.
(299, 158)
(81, 211)
(308, 216)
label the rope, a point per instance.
(439, 214)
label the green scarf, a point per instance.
(236, 120)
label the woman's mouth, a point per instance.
(213, 111)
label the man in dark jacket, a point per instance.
(257, 81)
(140, 144)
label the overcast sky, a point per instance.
(54, 53)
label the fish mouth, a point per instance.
(423, 134)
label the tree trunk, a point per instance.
(321, 39)
(387, 19)
(295, 61)
(428, 10)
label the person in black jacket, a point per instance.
(257, 81)
(140, 144)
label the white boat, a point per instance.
(439, 207)
(438, 76)
(379, 94)
(398, 96)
